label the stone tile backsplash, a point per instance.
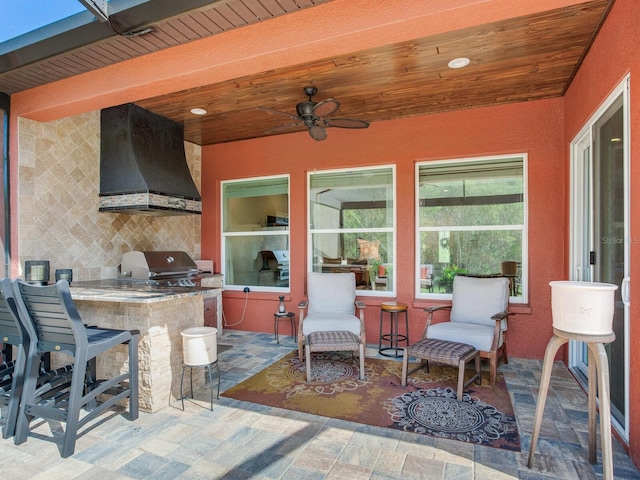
(58, 217)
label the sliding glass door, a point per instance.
(599, 233)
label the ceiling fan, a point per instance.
(314, 116)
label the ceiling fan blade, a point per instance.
(317, 132)
(326, 107)
(345, 123)
(284, 127)
(277, 112)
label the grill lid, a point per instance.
(139, 265)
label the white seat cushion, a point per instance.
(479, 336)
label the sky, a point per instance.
(21, 16)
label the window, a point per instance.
(471, 220)
(352, 226)
(255, 231)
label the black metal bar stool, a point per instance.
(287, 316)
(393, 337)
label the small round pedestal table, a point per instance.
(393, 338)
(284, 316)
(598, 371)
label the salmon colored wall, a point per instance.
(614, 54)
(534, 128)
(317, 33)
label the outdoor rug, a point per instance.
(427, 405)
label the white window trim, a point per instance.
(524, 228)
(256, 233)
(393, 229)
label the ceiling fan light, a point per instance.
(459, 62)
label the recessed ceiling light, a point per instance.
(459, 62)
(198, 111)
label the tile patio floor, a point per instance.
(239, 440)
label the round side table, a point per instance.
(393, 338)
(286, 316)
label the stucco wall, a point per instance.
(534, 128)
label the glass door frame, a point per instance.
(582, 230)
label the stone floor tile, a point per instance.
(423, 468)
(243, 440)
(146, 465)
(314, 459)
(390, 462)
(342, 471)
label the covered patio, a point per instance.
(246, 440)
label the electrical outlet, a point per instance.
(246, 290)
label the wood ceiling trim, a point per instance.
(522, 59)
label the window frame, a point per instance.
(524, 228)
(252, 233)
(388, 230)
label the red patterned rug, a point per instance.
(427, 405)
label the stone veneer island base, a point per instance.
(160, 317)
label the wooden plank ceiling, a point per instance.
(520, 59)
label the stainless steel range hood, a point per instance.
(143, 167)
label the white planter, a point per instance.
(583, 307)
(199, 346)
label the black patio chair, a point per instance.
(49, 311)
(11, 371)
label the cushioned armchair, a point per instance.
(478, 317)
(330, 306)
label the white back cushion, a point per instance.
(476, 300)
(331, 292)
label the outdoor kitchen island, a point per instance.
(160, 313)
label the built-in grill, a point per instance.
(171, 268)
(172, 272)
(275, 268)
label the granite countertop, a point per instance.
(129, 291)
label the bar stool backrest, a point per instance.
(54, 315)
(11, 331)
(12, 373)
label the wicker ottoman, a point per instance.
(446, 352)
(333, 341)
